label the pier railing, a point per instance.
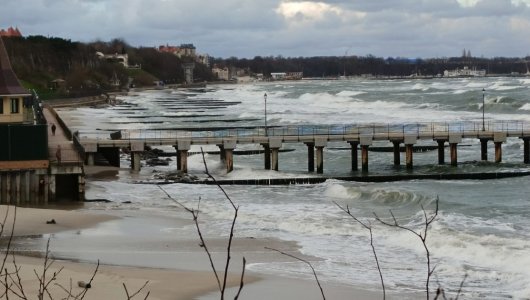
(376, 130)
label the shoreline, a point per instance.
(190, 267)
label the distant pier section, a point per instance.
(359, 138)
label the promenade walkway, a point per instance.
(68, 153)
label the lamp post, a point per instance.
(265, 98)
(483, 107)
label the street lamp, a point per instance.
(265, 98)
(483, 106)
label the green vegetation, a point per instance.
(59, 68)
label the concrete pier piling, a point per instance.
(484, 149)
(137, 148)
(275, 144)
(319, 145)
(310, 157)
(267, 156)
(498, 139)
(410, 141)
(441, 151)
(526, 150)
(365, 141)
(354, 155)
(229, 145)
(397, 152)
(454, 140)
(183, 147)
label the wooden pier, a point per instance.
(316, 138)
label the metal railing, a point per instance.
(511, 128)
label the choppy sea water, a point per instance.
(482, 229)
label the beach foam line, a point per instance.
(365, 178)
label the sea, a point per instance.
(481, 233)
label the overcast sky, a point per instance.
(245, 28)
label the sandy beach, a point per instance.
(181, 272)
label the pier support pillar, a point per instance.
(397, 154)
(177, 157)
(81, 187)
(17, 188)
(364, 157)
(319, 145)
(90, 152)
(229, 145)
(408, 151)
(410, 141)
(441, 151)
(310, 157)
(498, 139)
(365, 141)
(222, 153)
(498, 152)
(274, 158)
(526, 150)
(454, 139)
(267, 156)
(27, 186)
(46, 188)
(354, 155)
(484, 149)
(135, 161)
(90, 158)
(183, 146)
(454, 154)
(136, 149)
(275, 144)
(320, 160)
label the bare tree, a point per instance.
(195, 214)
(367, 226)
(422, 235)
(306, 262)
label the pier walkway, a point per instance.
(316, 138)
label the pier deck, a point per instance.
(315, 137)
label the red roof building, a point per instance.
(10, 32)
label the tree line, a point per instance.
(333, 66)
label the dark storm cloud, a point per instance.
(244, 28)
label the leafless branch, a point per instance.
(195, 214)
(241, 283)
(306, 262)
(369, 228)
(129, 297)
(422, 235)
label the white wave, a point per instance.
(350, 93)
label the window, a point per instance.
(15, 105)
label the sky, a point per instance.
(249, 28)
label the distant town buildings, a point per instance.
(188, 50)
(287, 75)
(120, 58)
(465, 72)
(10, 32)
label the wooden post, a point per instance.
(27, 186)
(17, 188)
(408, 149)
(441, 152)
(397, 154)
(484, 149)
(8, 188)
(310, 157)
